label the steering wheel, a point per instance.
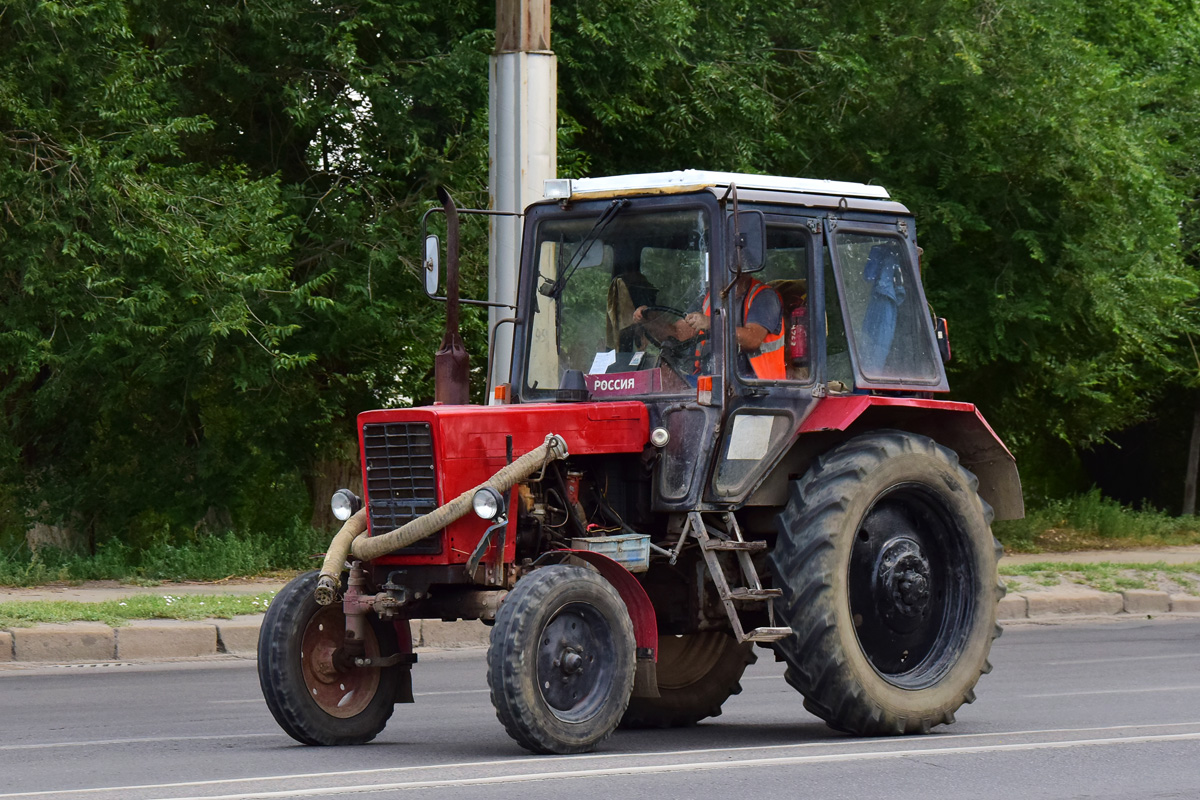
(676, 354)
(668, 309)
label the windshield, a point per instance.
(609, 298)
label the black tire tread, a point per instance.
(283, 626)
(683, 707)
(505, 658)
(805, 548)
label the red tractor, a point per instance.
(719, 429)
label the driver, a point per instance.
(759, 336)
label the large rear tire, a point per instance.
(313, 696)
(888, 569)
(697, 673)
(561, 660)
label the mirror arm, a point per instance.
(480, 211)
(737, 244)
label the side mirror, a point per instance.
(432, 270)
(748, 241)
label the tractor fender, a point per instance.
(641, 613)
(958, 426)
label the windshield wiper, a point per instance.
(555, 288)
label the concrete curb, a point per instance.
(1081, 602)
(144, 640)
(161, 639)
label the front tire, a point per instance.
(561, 660)
(888, 569)
(696, 673)
(313, 699)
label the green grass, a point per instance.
(1086, 522)
(1094, 522)
(22, 614)
(205, 558)
(1105, 576)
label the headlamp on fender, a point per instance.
(488, 503)
(345, 504)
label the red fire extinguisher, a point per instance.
(797, 343)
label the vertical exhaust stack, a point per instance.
(523, 148)
(451, 368)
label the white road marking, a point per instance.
(148, 739)
(692, 766)
(125, 790)
(1192, 656)
(1118, 691)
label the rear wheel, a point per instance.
(313, 694)
(888, 571)
(561, 660)
(697, 673)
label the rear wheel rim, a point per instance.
(684, 660)
(909, 580)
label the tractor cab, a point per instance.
(649, 287)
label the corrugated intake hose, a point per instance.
(350, 541)
(335, 556)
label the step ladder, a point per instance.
(712, 542)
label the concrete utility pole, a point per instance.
(522, 145)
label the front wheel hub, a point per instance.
(571, 662)
(902, 583)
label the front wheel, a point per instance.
(888, 569)
(312, 693)
(561, 660)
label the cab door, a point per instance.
(763, 415)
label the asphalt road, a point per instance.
(1071, 711)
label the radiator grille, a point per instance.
(401, 478)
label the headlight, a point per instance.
(345, 504)
(487, 503)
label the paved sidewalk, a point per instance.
(1167, 555)
(100, 591)
(91, 642)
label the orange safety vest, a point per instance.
(769, 364)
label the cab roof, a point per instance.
(692, 179)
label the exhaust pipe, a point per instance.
(451, 368)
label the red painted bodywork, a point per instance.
(469, 446)
(838, 413)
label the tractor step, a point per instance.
(768, 634)
(754, 594)
(728, 538)
(724, 544)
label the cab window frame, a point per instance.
(814, 243)
(590, 209)
(938, 382)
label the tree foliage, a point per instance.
(208, 231)
(1048, 148)
(208, 244)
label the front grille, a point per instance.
(401, 478)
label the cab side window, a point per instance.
(786, 275)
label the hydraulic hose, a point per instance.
(350, 541)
